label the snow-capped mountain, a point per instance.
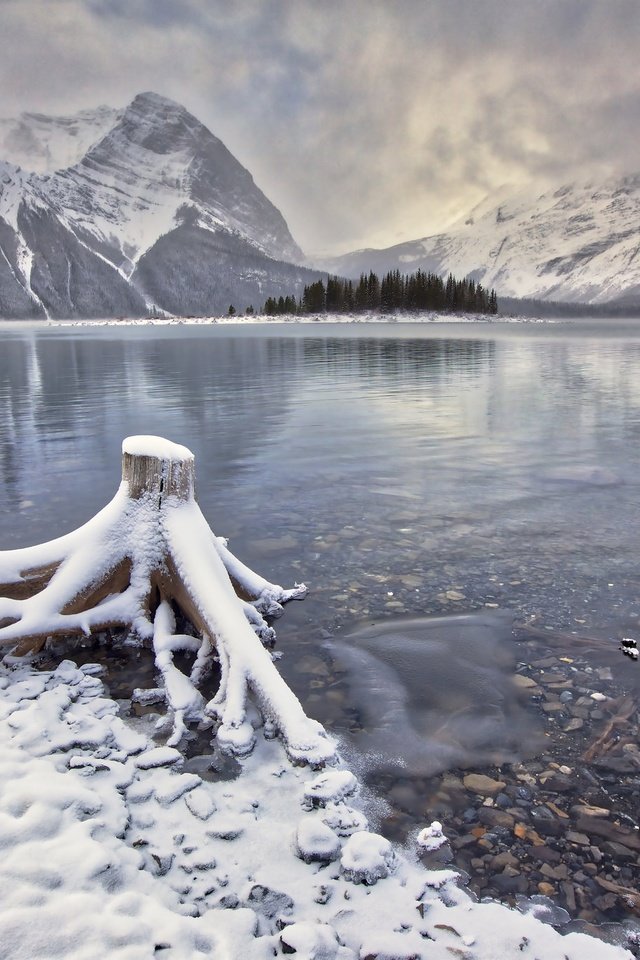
(121, 212)
(577, 243)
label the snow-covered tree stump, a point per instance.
(146, 556)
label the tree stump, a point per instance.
(146, 556)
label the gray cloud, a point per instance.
(366, 121)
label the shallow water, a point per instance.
(433, 694)
(401, 471)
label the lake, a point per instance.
(400, 470)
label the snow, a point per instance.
(431, 837)
(367, 857)
(43, 144)
(258, 319)
(316, 841)
(576, 243)
(110, 849)
(148, 446)
(119, 180)
(334, 785)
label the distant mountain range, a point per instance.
(143, 210)
(578, 243)
(132, 212)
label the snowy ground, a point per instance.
(372, 317)
(109, 850)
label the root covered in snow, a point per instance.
(148, 554)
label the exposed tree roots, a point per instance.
(147, 556)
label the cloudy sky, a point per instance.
(367, 122)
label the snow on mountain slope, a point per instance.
(578, 243)
(43, 144)
(137, 176)
(156, 159)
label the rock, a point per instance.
(569, 895)
(545, 854)
(158, 757)
(367, 857)
(454, 595)
(344, 820)
(225, 828)
(170, 786)
(315, 841)
(485, 786)
(431, 837)
(524, 682)
(269, 904)
(200, 803)
(557, 782)
(579, 838)
(619, 851)
(492, 817)
(311, 941)
(331, 786)
(560, 872)
(588, 810)
(504, 859)
(546, 889)
(509, 884)
(610, 831)
(630, 896)
(523, 832)
(574, 724)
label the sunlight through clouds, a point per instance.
(367, 122)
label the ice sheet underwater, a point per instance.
(435, 693)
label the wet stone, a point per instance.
(485, 786)
(495, 818)
(574, 724)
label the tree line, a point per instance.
(396, 291)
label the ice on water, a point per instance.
(435, 692)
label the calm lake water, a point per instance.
(384, 465)
(400, 470)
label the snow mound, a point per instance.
(367, 857)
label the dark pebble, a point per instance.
(524, 793)
(542, 815)
(544, 854)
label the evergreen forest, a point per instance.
(395, 292)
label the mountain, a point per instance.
(577, 243)
(127, 212)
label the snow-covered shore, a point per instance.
(109, 849)
(257, 319)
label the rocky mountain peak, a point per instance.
(125, 211)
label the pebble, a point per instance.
(524, 682)
(546, 889)
(485, 786)
(574, 724)
(454, 595)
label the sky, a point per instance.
(367, 122)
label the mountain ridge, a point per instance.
(577, 243)
(72, 238)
